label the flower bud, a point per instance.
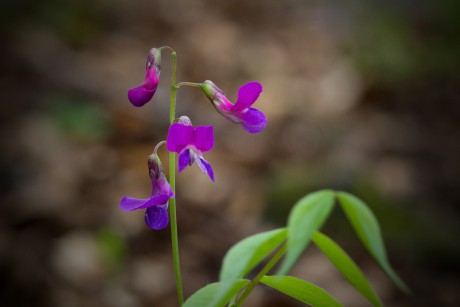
(144, 92)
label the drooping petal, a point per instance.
(185, 160)
(157, 217)
(253, 120)
(247, 95)
(143, 93)
(203, 138)
(139, 95)
(129, 203)
(156, 200)
(179, 136)
(205, 167)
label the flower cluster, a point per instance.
(189, 142)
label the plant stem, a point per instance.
(155, 150)
(172, 182)
(192, 84)
(261, 274)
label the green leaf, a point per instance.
(301, 290)
(307, 216)
(368, 230)
(246, 254)
(213, 295)
(346, 266)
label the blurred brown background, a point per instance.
(361, 96)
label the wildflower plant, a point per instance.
(281, 246)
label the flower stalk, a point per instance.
(192, 84)
(172, 182)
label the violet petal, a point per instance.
(247, 95)
(179, 136)
(156, 200)
(184, 160)
(156, 217)
(129, 203)
(253, 120)
(203, 138)
(206, 167)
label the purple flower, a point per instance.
(190, 142)
(252, 120)
(143, 93)
(156, 215)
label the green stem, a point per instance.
(172, 182)
(261, 274)
(193, 84)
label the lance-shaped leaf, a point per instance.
(301, 290)
(346, 266)
(368, 230)
(246, 254)
(213, 296)
(307, 216)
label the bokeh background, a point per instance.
(361, 96)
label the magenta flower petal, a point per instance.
(203, 138)
(143, 93)
(179, 136)
(157, 217)
(247, 95)
(206, 167)
(139, 95)
(184, 160)
(253, 120)
(190, 143)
